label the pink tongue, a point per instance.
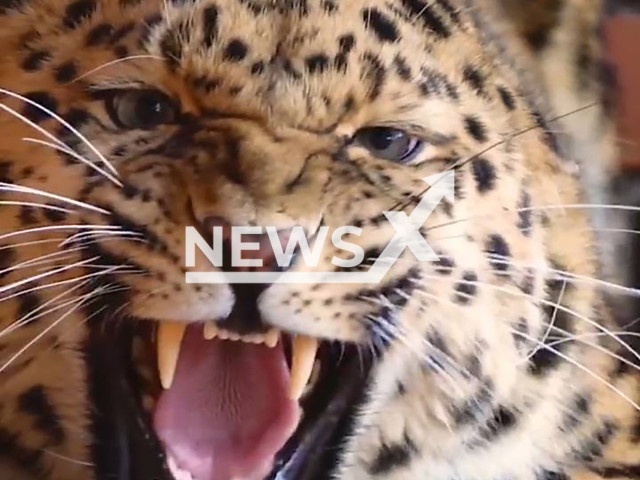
(227, 412)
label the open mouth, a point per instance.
(201, 403)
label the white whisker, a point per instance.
(114, 62)
(10, 187)
(54, 227)
(63, 122)
(59, 283)
(35, 205)
(577, 364)
(79, 302)
(68, 459)
(75, 155)
(13, 285)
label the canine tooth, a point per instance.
(210, 331)
(303, 357)
(170, 336)
(313, 378)
(271, 338)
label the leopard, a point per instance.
(309, 240)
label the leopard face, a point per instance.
(128, 122)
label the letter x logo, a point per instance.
(408, 227)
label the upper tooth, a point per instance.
(272, 337)
(210, 330)
(303, 356)
(170, 336)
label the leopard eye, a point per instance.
(141, 109)
(389, 143)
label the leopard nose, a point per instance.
(248, 252)
(250, 248)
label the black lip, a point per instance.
(314, 450)
(128, 449)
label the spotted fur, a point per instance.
(491, 364)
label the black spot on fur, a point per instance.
(27, 216)
(171, 49)
(290, 70)
(346, 42)
(235, 50)
(503, 420)
(7, 259)
(122, 32)
(475, 408)
(592, 448)
(450, 10)
(402, 67)
(35, 402)
(99, 35)
(375, 74)
(507, 98)
(53, 215)
(474, 78)
(35, 114)
(36, 60)
(466, 289)
(257, 68)
(445, 265)
(210, 25)
(393, 456)
(618, 470)
(525, 213)
(499, 253)
(329, 6)
(545, 358)
(317, 63)
(576, 413)
(551, 475)
(76, 117)
(437, 83)
(28, 302)
(438, 353)
(66, 72)
(5, 172)
(424, 12)
(484, 173)
(27, 459)
(383, 27)
(548, 136)
(476, 129)
(77, 12)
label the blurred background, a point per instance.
(623, 37)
